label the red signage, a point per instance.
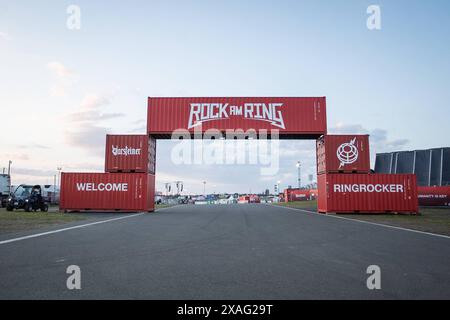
(367, 193)
(343, 153)
(107, 192)
(434, 196)
(127, 153)
(296, 117)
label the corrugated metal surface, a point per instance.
(383, 162)
(405, 162)
(107, 191)
(422, 167)
(343, 153)
(151, 155)
(127, 153)
(369, 193)
(322, 199)
(434, 196)
(432, 166)
(436, 167)
(298, 195)
(294, 117)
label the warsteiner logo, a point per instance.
(204, 112)
(125, 151)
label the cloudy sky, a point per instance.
(62, 89)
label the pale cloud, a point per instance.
(90, 109)
(33, 172)
(91, 115)
(15, 156)
(88, 137)
(138, 126)
(64, 78)
(58, 91)
(139, 130)
(59, 69)
(33, 146)
(82, 167)
(94, 101)
(344, 128)
(83, 128)
(378, 137)
(5, 36)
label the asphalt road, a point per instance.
(227, 252)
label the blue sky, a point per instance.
(61, 90)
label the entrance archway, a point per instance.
(234, 118)
(345, 183)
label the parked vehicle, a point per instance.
(27, 197)
(5, 189)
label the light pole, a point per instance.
(59, 176)
(204, 188)
(167, 185)
(59, 181)
(9, 174)
(278, 186)
(54, 188)
(179, 185)
(299, 168)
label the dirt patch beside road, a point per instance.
(20, 220)
(431, 219)
(434, 220)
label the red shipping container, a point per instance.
(107, 192)
(293, 117)
(254, 199)
(244, 199)
(343, 153)
(434, 196)
(130, 153)
(298, 195)
(367, 193)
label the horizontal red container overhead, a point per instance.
(107, 192)
(434, 196)
(343, 153)
(367, 193)
(129, 153)
(293, 117)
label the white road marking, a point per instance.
(66, 229)
(76, 227)
(366, 222)
(174, 206)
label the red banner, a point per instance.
(297, 117)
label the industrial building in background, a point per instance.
(432, 169)
(431, 166)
